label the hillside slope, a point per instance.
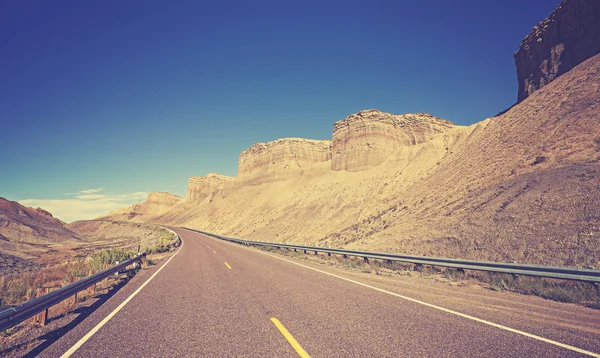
(521, 186)
(25, 232)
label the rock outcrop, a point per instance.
(570, 35)
(280, 159)
(366, 139)
(160, 200)
(209, 186)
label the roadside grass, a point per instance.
(18, 288)
(165, 243)
(581, 293)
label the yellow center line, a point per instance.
(301, 352)
(229, 267)
(214, 252)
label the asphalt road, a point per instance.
(217, 299)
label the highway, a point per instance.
(217, 299)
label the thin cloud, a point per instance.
(90, 191)
(86, 206)
(86, 191)
(91, 196)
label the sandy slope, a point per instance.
(522, 186)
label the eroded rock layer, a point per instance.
(280, 159)
(209, 186)
(570, 35)
(367, 138)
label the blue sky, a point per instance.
(128, 97)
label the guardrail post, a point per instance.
(316, 252)
(329, 254)
(304, 251)
(41, 318)
(345, 256)
(74, 299)
(92, 288)
(366, 259)
(105, 281)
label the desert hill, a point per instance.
(522, 186)
(156, 203)
(30, 238)
(26, 234)
(25, 231)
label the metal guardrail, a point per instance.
(17, 314)
(557, 272)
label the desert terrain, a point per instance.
(521, 186)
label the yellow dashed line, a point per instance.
(229, 267)
(301, 352)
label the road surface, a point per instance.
(218, 299)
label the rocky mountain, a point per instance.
(522, 186)
(570, 35)
(26, 233)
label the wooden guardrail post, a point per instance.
(105, 281)
(41, 318)
(74, 299)
(92, 288)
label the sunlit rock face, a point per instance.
(570, 35)
(160, 198)
(365, 139)
(280, 159)
(209, 186)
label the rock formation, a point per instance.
(160, 200)
(26, 233)
(520, 186)
(156, 203)
(280, 159)
(365, 139)
(570, 35)
(209, 186)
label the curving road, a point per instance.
(217, 299)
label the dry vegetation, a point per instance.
(17, 288)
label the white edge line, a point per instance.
(113, 313)
(513, 330)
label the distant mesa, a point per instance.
(570, 35)
(157, 203)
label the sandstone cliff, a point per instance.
(520, 186)
(280, 159)
(367, 138)
(567, 37)
(206, 187)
